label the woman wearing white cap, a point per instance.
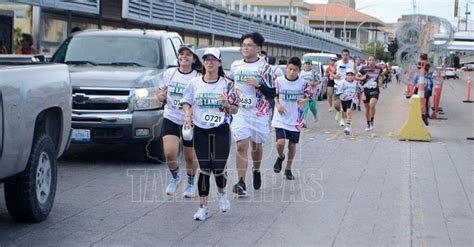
(175, 80)
(208, 102)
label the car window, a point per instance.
(228, 57)
(113, 49)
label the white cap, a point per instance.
(212, 51)
(187, 133)
(350, 70)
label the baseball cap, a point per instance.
(212, 51)
(187, 47)
(333, 59)
(350, 71)
(308, 60)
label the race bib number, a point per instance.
(176, 103)
(247, 101)
(213, 118)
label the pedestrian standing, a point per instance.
(175, 80)
(208, 103)
(293, 92)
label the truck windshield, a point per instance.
(115, 51)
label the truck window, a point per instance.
(60, 54)
(104, 50)
(170, 52)
(177, 43)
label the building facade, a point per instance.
(347, 24)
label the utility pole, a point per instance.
(467, 13)
(289, 12)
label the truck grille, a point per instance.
(101, 99)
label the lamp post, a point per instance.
(357, 31)
(325, 15)
(347, 16)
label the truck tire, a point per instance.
(30, 194)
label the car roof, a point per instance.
(320, 54)
(230, 48)
(124, 33)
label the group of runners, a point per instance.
(206, 110)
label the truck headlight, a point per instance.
(145, 99)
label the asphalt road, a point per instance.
(364, 190)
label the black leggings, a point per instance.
(212, 148)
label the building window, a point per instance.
(20, 14)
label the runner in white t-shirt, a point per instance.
(341, 67)
(253, 79)
(293, 92)
(208, 103)
(349, 89)
(175, 80)
(313, 79)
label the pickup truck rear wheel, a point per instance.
(30, 195)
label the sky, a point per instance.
(390, 10)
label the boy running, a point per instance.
(253, 78)
(349, 89)
(293, 93)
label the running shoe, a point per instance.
(372, 127)
(338, 116)
(202, 213)
(278, 163)
(330, 109)
(368, 128)
(224, 203)
(342, 123)
(171, 188)
(289, 174)
(189, 191)
(240, 188)
(348, 130)
(257, 179)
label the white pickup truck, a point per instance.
(35, 127)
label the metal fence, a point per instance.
(86, 6)
(227, 23)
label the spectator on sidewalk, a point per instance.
(26, 43)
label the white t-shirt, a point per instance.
(349, 90)
(208, 111)
(252, 102)
(175, 82)
(341, 69)
(289, 94)
(311, 76)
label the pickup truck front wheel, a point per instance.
(30, 195)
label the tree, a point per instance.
(379, 51)
(393, 48)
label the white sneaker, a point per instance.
(189, 191)
(348, 130)
(368, 128)
(224, 203)
(372, 127)
(202, 213)
(171, 188)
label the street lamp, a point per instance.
(357, 31)
(347, 16)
